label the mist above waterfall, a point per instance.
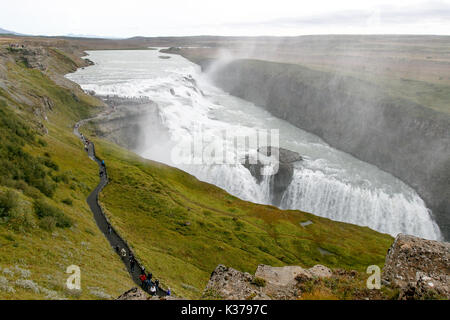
(328, 183)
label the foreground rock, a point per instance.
(138, 294)
(279, 283)
(419, 268)
(134, 294)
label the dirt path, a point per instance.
(102, 222)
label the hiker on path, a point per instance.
(132, 263)
(109, 229)
(148, 284)
(153, 290)
(168, 292)
(149, 276)
(143, 270)
(143, 279)
(157, 284)
(123, 253)
(117, 249)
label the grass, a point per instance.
(344, 286)
(43, 232)
(183, 228)
(425, 93)
(179, 227)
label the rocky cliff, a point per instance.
(419, 268)
(278, 283)
(406, 139)
(125, 122)
(283, 160)
(415, 269)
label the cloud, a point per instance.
(384, 17)
(231, 17)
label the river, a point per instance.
(328, 182)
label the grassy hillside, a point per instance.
(184, 228)
(179, 227)
(45, 177)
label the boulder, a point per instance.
(280, 276)
(134, 294)
(320, 271)
(230, 284)
(418, 267)
(279, 283)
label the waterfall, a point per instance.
(313, 191)
(333, 185)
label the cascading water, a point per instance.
(328, 182)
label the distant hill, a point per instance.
(4, 31)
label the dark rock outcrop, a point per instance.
(419, 268)
(283, 177)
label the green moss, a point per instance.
(52, 169)
(51, 213)
(259, 282)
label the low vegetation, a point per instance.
(179, 227)
(184, 228)
(45, 178)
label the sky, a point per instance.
(128, 18)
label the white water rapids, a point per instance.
(328, 183)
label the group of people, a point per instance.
(147, 282)
(86, 141)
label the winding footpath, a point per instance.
(115, 240)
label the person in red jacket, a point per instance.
(143, 279)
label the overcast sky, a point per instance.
(127, 18)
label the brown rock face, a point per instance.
(418, 267)
(134, 294)
(279, 283)
(138, 294)
(230, 284)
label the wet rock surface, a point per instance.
(419, 268)
(281, 180)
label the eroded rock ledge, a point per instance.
(279, 283)
(281, 180)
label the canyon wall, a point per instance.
(410, 141)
